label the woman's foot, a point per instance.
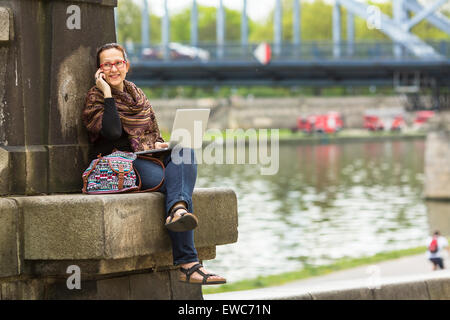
(177, 214)
(193, 272)
(180, 220)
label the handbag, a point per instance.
(115, 173)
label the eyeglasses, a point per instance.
(108, 65)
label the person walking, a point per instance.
(435, 249)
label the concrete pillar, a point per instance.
(350, 33)
(278, 28)
(47, 65)
(220, 30)
(437, 165)
(337, 30)
(145, 35)
(166, 32)
(194, 24)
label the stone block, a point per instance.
(56, 289)
(439, 289)
(4, 172)
(24, 170)
(345, 294)
(63, 227)
(103, 227)
(438, 213)
(154, 286)
(134, 225)
(416, 290)
(116, 288)
(183, 291)
(10, 260)
(437, 165)
(32, 289)
(113, 289)
(5, 24)
(66, 164)
(216, 209)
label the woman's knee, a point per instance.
(184, 155)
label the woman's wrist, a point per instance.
(107, 94)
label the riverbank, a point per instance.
(288, 136)
(313, 271)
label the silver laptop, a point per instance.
(187, 130)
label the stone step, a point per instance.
(121, 227)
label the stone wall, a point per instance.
(46, 69)
(437, 158)
(119, 242)
(275, 112)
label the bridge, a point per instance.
(405, 61)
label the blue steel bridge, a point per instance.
(405, 61)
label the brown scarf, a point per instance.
(136, 114)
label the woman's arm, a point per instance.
(111, 124)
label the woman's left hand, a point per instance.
(160, 145)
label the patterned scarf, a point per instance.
(136, 114)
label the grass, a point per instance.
(311, 271)
(288, 135)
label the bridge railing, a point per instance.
(306, 51)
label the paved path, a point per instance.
(365, 276)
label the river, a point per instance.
(327, 202)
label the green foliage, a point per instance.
(311, 271)
(129, 18)
(316, 24)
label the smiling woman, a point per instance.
(118, 115)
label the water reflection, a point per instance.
(325, 203)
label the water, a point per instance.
(326, 202)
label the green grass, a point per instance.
(311, 271)
(288, 135)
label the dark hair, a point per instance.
(110, 46)
(436, 233)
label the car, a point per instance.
(178, 51)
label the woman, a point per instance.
(118, 115)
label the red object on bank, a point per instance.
(326, 123)
(373, 123)
(423, 116)
(398, 123)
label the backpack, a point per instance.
(115, 173)
(433, 247)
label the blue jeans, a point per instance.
(178, 186)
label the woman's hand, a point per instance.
(101, 83)
(160, 145)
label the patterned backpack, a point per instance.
(114, 173)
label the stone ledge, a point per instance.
(162, 285)
(119, 232)
(432, 286)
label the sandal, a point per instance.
(204, 281)
(185, 222)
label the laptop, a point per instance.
(187, 130)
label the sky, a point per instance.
(256, 9)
